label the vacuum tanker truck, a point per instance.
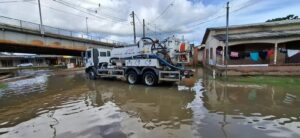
(148, 61)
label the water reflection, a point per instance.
(261, 110)
(155, 106)
(72, 106)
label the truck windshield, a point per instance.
(88, 54)
(102, 54)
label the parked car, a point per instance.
(25, 65)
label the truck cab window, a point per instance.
(102, 54)
(89, 54)
(108, 53)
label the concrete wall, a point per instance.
(14, 39)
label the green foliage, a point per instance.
(274, 80)
(3, 86)
(283, 83)
(289, 17)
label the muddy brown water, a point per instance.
(70, 106)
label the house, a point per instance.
(270, 45)
(198, 53)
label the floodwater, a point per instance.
(70, 106)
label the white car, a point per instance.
(25, 65)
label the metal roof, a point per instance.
(253, 34)
(264, 24)
(259, 35)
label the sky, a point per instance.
(110, 19)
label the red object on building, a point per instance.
(183, 58)
(182, 47)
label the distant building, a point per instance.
(198, 53)
(262, 44)
(38, 60)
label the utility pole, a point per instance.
(87, 26)
(144, 33)
(226, 45)
(133, 23)
(155, 30)
(41, 19)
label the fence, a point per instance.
(48, 29)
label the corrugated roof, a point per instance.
(264, 24)
(261, 34)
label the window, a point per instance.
(211, 53)
(102, 54)
(108, 53)
(89, 54)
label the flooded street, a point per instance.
(62, 106)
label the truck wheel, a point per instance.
(132, 77)
(150, 79)
(92, 74)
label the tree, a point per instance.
(289, 17)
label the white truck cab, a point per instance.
(96, 56)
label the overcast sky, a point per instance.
(188, 18)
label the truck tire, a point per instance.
(149, 78)
(92, 74)
(132, 77)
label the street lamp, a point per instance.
(41, 19)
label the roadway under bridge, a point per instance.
(25, 37)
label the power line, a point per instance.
(68, 13)
(100, 6)
(195, 26)
(77, 9)
(106, 15)
(58, 10)
(96, 11)
(155, 26)
(202, 22)
(147, 27)
(15, 1)
(164, 11)
(85, 11)
(139, 20)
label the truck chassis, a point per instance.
(148, 75)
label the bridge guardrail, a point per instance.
(53, 30)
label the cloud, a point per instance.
(180, 17)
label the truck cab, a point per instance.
(96, 56)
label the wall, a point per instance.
(41, 62)
(212, 43)
(247, 48)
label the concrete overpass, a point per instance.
(24, 37)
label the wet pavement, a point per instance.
(71, 106)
